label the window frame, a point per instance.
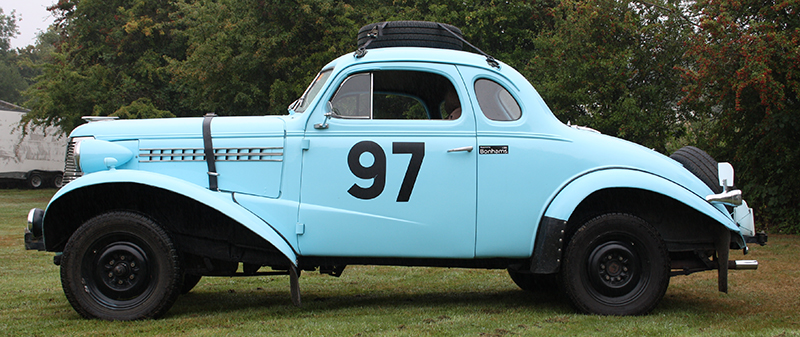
(431, 115)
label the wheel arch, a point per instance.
(683, 219)
(682, 227)
(574, 193)
(208, 223)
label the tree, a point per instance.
(609, 64)
(744, 79)
(29, 57)
(8, 30)
(188, 57)
(110, 55)
(255, 57)
(11, 81)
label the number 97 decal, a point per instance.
(377, 171)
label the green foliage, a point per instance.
(609, 65)
(255, 57)
(11, 81)
(19, 68)
(110, 54)
(8, 29)
(745, 80)
(141, 108)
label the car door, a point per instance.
(516, 175)
(386, 175)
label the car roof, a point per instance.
(417, 54)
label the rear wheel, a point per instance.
(120, 266)
(616, 264)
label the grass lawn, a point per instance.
(399, 301)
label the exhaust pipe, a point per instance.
(743, 264)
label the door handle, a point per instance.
(461, 149)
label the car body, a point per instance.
(366, 168)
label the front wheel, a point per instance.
(616, 264)
(120, 266)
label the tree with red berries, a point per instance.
(744, 80)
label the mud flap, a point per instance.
(723, 252)
(294, 282)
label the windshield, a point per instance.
(312, 91)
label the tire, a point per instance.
(35, 181)
(189, 281)
(120, 266)
(533, 282)
(701, 164)
(58, 181)
(410, 34)
(616, 264)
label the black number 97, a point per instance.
(377, 171)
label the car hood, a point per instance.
(249, 126)
(249, 150)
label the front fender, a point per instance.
(220, 201)
(575, 191)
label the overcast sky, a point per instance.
(34, 15)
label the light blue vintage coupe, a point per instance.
(408, 152)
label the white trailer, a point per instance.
(35, 158)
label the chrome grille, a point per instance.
(71, 169)
(221, 154)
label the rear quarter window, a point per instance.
(496, 102)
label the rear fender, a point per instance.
(220, 201)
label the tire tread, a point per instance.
(411, 34)
(699, 163)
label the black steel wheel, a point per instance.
(616, 264)
(120, 266)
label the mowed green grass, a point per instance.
(399, 301)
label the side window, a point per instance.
(496, 102)
(301, 104)
(392, 106)
(396, 94)
(353, 99)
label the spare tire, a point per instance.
(409, 34)
(701, 164)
